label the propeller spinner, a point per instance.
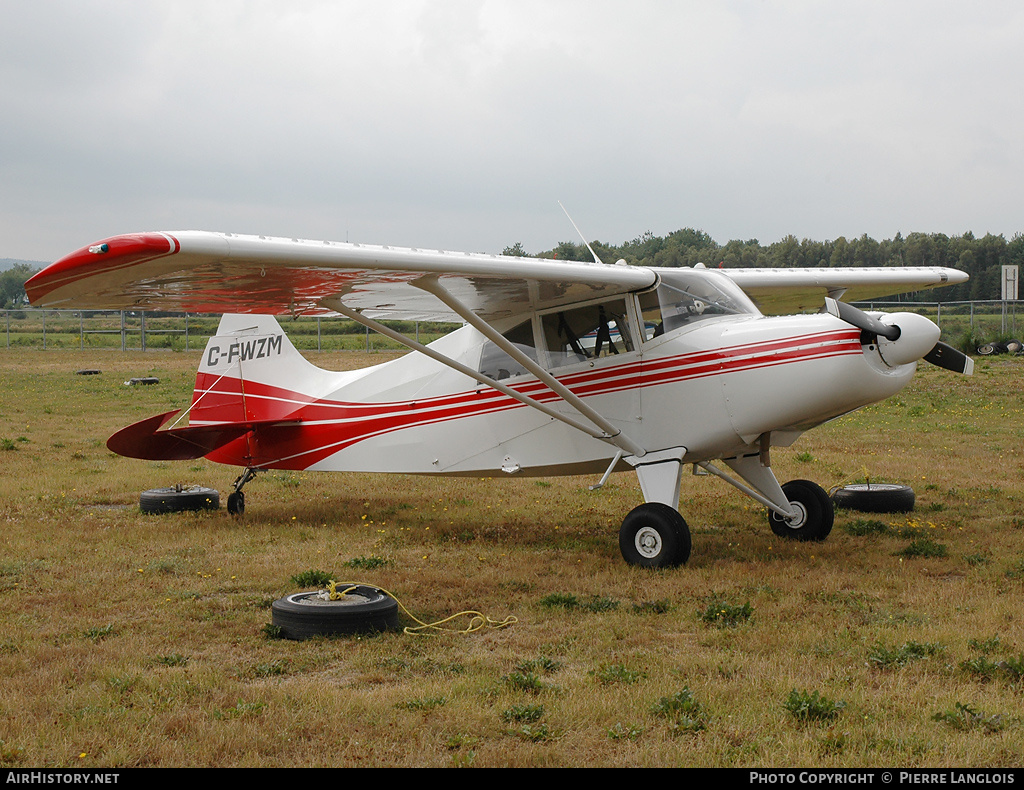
(905, 338)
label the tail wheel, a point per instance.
(236, 499)
(236, 503)
(813, 512)
(654, 535)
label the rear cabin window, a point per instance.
(499, 365)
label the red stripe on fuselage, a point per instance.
(328, 426)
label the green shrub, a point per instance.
(725, 614)
(312, 578)
(569, 602)
(862, 527)
(522, 714)
(608, 674)
(811, 706)
(524, 681)
(964, 717)
(888, 657)
(924, 547)
(367, 563)
(684, 712)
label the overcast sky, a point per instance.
(461, 124)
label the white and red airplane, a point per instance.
(562, 367)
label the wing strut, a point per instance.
(612, 434)
(339, 307)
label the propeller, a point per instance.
(941, 354)
(945, 356)
(858, 318)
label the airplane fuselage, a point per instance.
(714, 388)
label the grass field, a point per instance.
(132, 640)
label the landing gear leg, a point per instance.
(654, 535)
(236, 499)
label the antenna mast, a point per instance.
(587, 243)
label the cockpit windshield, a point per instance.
(686, 296)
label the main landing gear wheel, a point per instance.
(654, 535)
(814, 512)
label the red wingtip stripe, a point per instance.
(121, 251)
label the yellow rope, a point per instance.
(477, 620)
(864, 473)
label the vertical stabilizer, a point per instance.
(251, 371)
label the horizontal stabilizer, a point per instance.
(145, 440)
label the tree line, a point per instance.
(982, 258)
(12, 284)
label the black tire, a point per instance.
(654, 535)
(1014, 347)
(875, 498)
(87, 372)
(362, 610)
(986, 349)
(176, 500)
(236, 503)
(815, 512)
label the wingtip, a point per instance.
(107, 255)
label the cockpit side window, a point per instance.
(589, 332)
(572, 335)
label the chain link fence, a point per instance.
(962, 323)
(126, 330)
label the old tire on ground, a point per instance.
(654, 535)
(1014, 346)
(177, 499)
(815, 512)
(875, 498)
(986, 349)
(362, 610)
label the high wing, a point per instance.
(783, 291)
(204, 272)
